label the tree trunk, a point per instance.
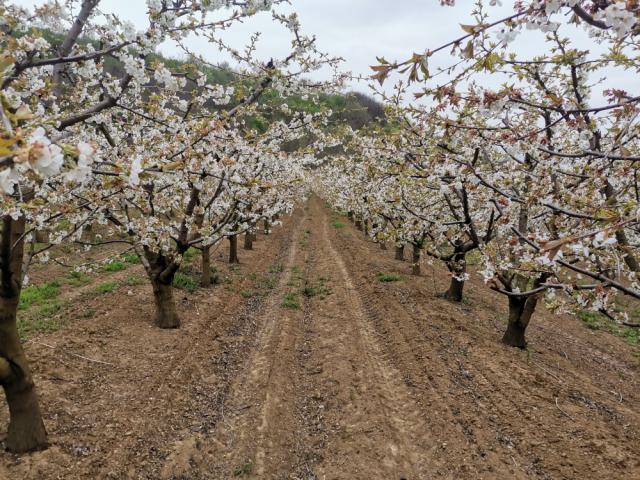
(248, 241)
(520, 312)
(267, 227)
(26, 429)
(233, 249)
(400, 252)
(89, 233)
(457, 267)
(383, 246)
(350, 216)
(205, 276)
(166, 315)
(358, 223)
(161, 270)
(41, 236)
(454, 293)
(415, 267)
(365, 227)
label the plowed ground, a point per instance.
(307, 367)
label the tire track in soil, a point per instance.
(258, 435)
(487, 402)
(191, 391)
(439, 381)
(490, 388)
(373, 427)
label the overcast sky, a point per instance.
(357, 30)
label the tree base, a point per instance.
(454, 293)
(26, 429)
(166, 315)
(167, 322)
(515, 336)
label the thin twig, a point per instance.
(562, 411)
(72, 354)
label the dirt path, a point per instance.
(307, 367)
(318, 399)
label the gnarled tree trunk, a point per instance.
(358, 223)
(267, 227)
(415, 267)
(458, 267)
(205, 276)
(26, 428)
(400, 252)
(233, 249)
(42, 236)
(166, 315)
(161, 271)
(248, 241)
(520, 311)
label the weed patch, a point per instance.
(41, 319)
(388, 277)
(291, 301)
(243, 470)
(185, 282)
(106, 287)
(36, 294)
(130, 257)
(114, 266)
(596, 321)
(133, 280)
(77, 279)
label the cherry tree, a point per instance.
(555, 161)
(75, 84)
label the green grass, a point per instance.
(319, 289)
(268, 283)
(596, 321)
(106, 287)
(40, 319)
(246, 293)
(190, 254)
(291, 301)
(38, 308)
(388, 277)
(276, 268)
(114, 266)
(77, 279)
(130, 257)
(133, 280)
(338, 224)
(36, 294)
(185, 282)
(214, 276)
(243, 470)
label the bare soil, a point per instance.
(305, 366)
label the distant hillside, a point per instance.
(353, 108)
